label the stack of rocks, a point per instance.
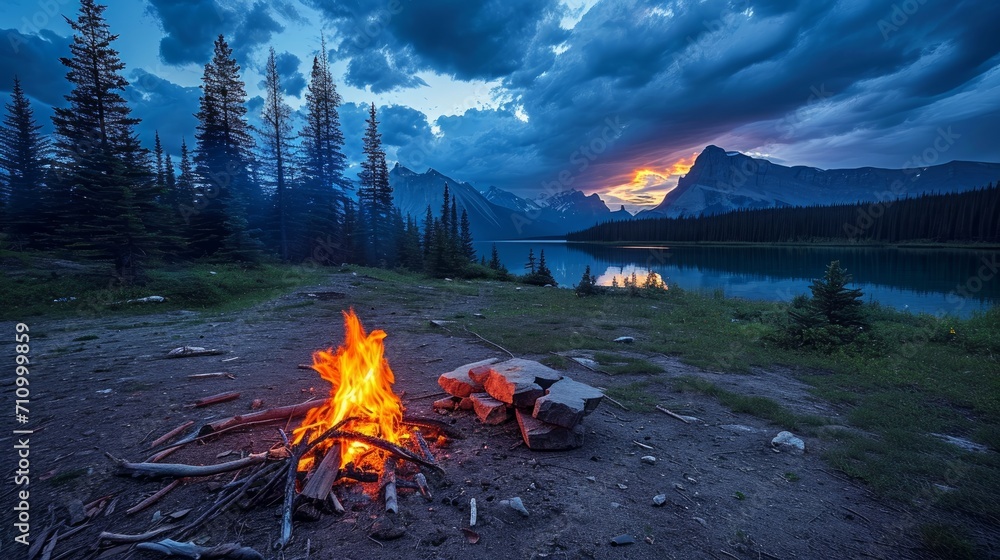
(548, 406)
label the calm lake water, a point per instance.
(956, 282)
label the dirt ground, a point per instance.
(100, 385)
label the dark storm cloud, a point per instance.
(292, 79)
(191, 26)
(35, 60)
(164, 107)
(376, 70)
(467, 40)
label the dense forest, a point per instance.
(241, 193)
(971, 216)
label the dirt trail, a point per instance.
(101, 385)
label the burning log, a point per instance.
(321, 482)
(163, 470)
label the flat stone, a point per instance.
(520, 382)
(479, 374)
(489, 410)
(466, 404)
(457, 381)
(788, 442)
(540, 436)
(566, 403)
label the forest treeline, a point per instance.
(972, 216)
(240, 193)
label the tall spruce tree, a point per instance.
(468, 248)
(323, 191)
(161, 181)
(375, 196)
(24, 153)
(223, 161)
(112, 206)
(277, 142)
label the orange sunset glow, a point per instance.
(649, 186)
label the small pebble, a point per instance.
(648, 459)
(659, 500)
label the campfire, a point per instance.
(361, 398)
(358, 440)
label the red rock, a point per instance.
(540, 436)
(519, 382)
(489, 410)
(457, 381)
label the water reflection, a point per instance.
(618, 275)
(920, 280)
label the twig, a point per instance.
(221, 505)
(432, 424)
(424, 447)
(161, 470)
(286, 508)
(491, 343)
(216, 399)
(167, 436)
(154, 498)
(614, 402)
(642, 445)
(425, 490)
(685, 496)
(672, 414)
(729, 554)
(122, 538)
(432, 360)
(856, 513)
(427, 396)
(212, 375)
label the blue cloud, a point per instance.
(292, 80)
(374, 69)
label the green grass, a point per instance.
(86, 337)
(636, 396)
(761, 407)
(33, 290)
(615, 364)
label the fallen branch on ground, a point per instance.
(673, 414)
(191, 550)
(163, 470)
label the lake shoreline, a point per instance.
(667, 244)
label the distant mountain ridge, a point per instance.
(496, 213)
(720, 181)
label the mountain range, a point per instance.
(720, 181)
(496, 213)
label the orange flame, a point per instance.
(361, 382)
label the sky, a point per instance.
(615, 97)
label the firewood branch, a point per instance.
(163, 470)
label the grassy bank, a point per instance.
(37, 284)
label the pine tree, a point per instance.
(24, 154)
(375, 196)
(112, 206)
(587, 285)
(158, 154)
(277, 135)
(428, 231)
(185, 184)
(224, 185)
(833, 316)
(468, 248)
(495, 263)
(323, 190)
(530, 266)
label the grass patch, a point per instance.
(86, 337)
(35, 290)
(63, 478)
(760, 407)
(615, 364)
(947, 542)
(635, 396)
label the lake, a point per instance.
(953, 281)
